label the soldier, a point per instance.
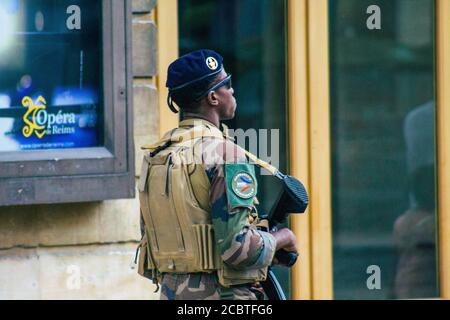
(198, 195)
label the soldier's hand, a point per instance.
(285, 240)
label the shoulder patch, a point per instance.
(241, 184)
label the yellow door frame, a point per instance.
(309, 121)
(298, 118)
(167, 42)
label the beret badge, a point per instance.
(212, 63)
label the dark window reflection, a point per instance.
(50, 51)
(250, 34)
(383, 149)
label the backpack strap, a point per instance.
(203, 132)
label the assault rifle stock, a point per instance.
(293, 198)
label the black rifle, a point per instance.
(293, 198)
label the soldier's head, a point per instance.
(198, 83)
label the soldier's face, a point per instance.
(227, 100)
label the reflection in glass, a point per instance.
(383, 149)
(250, 35)
(50, 66)
(414, 231)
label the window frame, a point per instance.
(85, 174)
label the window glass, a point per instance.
(250, 35)
(50, 74)
(383, 149)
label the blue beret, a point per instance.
(193, 67)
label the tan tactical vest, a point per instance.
(174, 198)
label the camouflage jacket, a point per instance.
(240, 244)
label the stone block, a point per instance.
(146, 111)
(144, 48)
(18, 226)
(19, 274)
(69, 224)
(102, 272)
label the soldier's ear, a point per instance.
(212, 98)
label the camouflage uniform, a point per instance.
(239, 242)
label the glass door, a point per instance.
(383, 154)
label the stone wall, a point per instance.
(85, 251)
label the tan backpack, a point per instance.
(174, 198)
